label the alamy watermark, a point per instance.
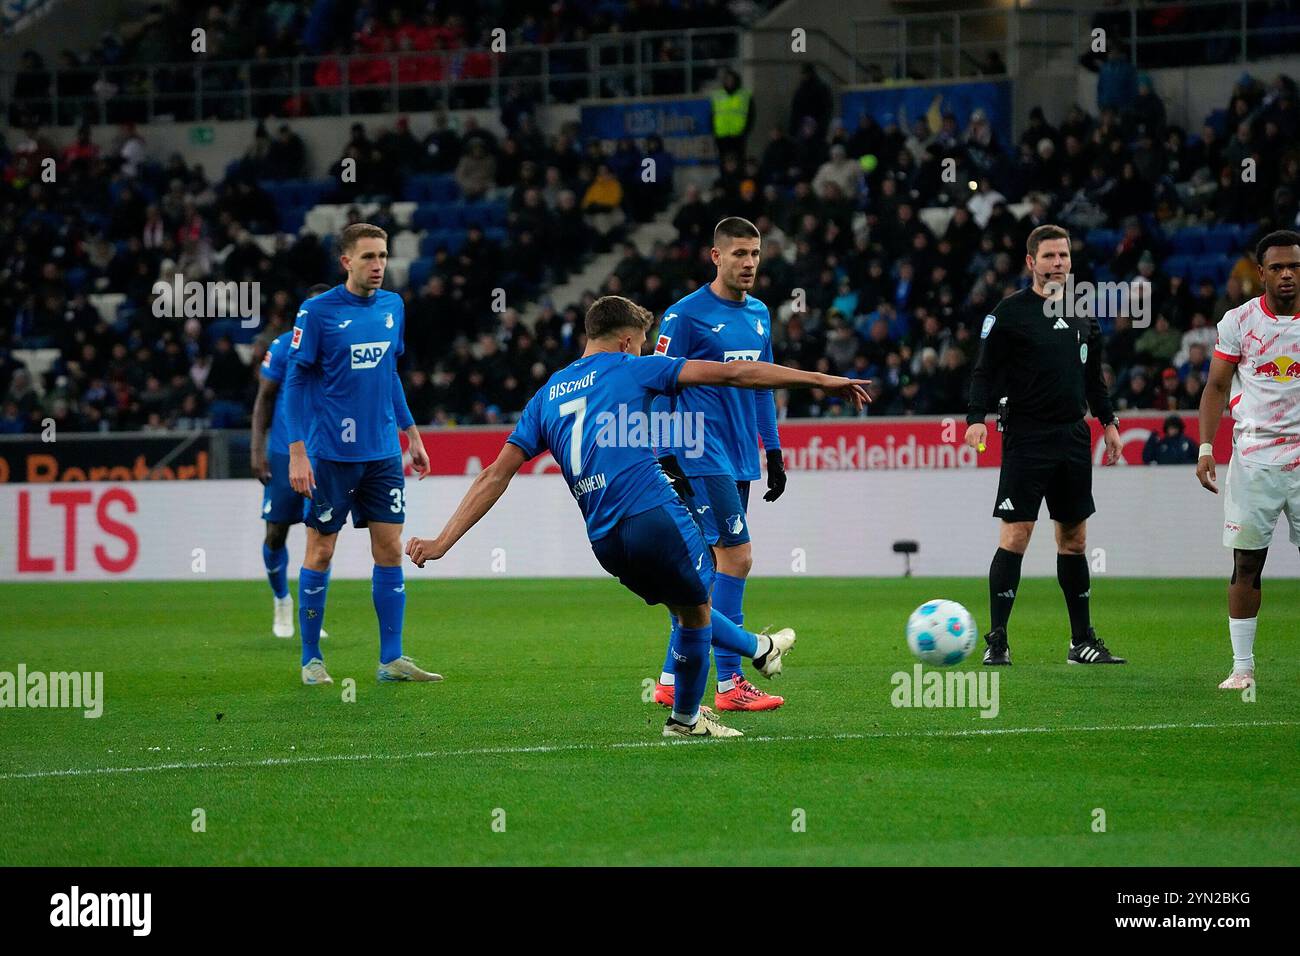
(1090, 300)
(129, 910)
(179, 299)
(78, 690)
(922, 688)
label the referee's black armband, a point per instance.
(976, 418)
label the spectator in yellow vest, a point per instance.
(733, 118)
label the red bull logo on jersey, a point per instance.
(1280, 369)
(368, 354)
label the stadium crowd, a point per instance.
(297, 54)
(856, 280)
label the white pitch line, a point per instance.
(634, 745)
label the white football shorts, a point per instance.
(1253, 497)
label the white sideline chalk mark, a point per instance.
(635, 745)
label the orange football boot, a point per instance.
(745, 696)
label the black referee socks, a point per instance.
(1004, 579)
(1072, 574)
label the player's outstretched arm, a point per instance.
(1214, 396)
(767, 375)
(484, 492)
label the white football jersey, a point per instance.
(1265, 396)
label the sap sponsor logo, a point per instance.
(368, 354)
(74, 908)
(740, 355)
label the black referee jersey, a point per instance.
(1048, 368)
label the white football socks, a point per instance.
(1242, 632)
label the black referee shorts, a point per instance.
(1053, 463)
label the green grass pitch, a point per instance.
(542, 717)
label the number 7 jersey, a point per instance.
(594, 418)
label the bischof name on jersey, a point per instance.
(577, 385)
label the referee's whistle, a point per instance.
(981, 446)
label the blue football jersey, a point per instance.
(593, 417)
(704, 326)
(275, 365)
(350, 345)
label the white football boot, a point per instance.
(405, 669)
(313, 672)
(782, 641)
(706, 725)
(1238, 680)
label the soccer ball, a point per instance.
(941, 633)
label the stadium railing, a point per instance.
(955, 44)
(608, 66)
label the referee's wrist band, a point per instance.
(1206, 449)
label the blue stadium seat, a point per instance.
(485, 214)
(427, 216)
(419, 273)
(1212, 267)
(430, 187)
(1221, 239)
(1189, 241)
(1177, 265)
(1103, 241)
(453, 239)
